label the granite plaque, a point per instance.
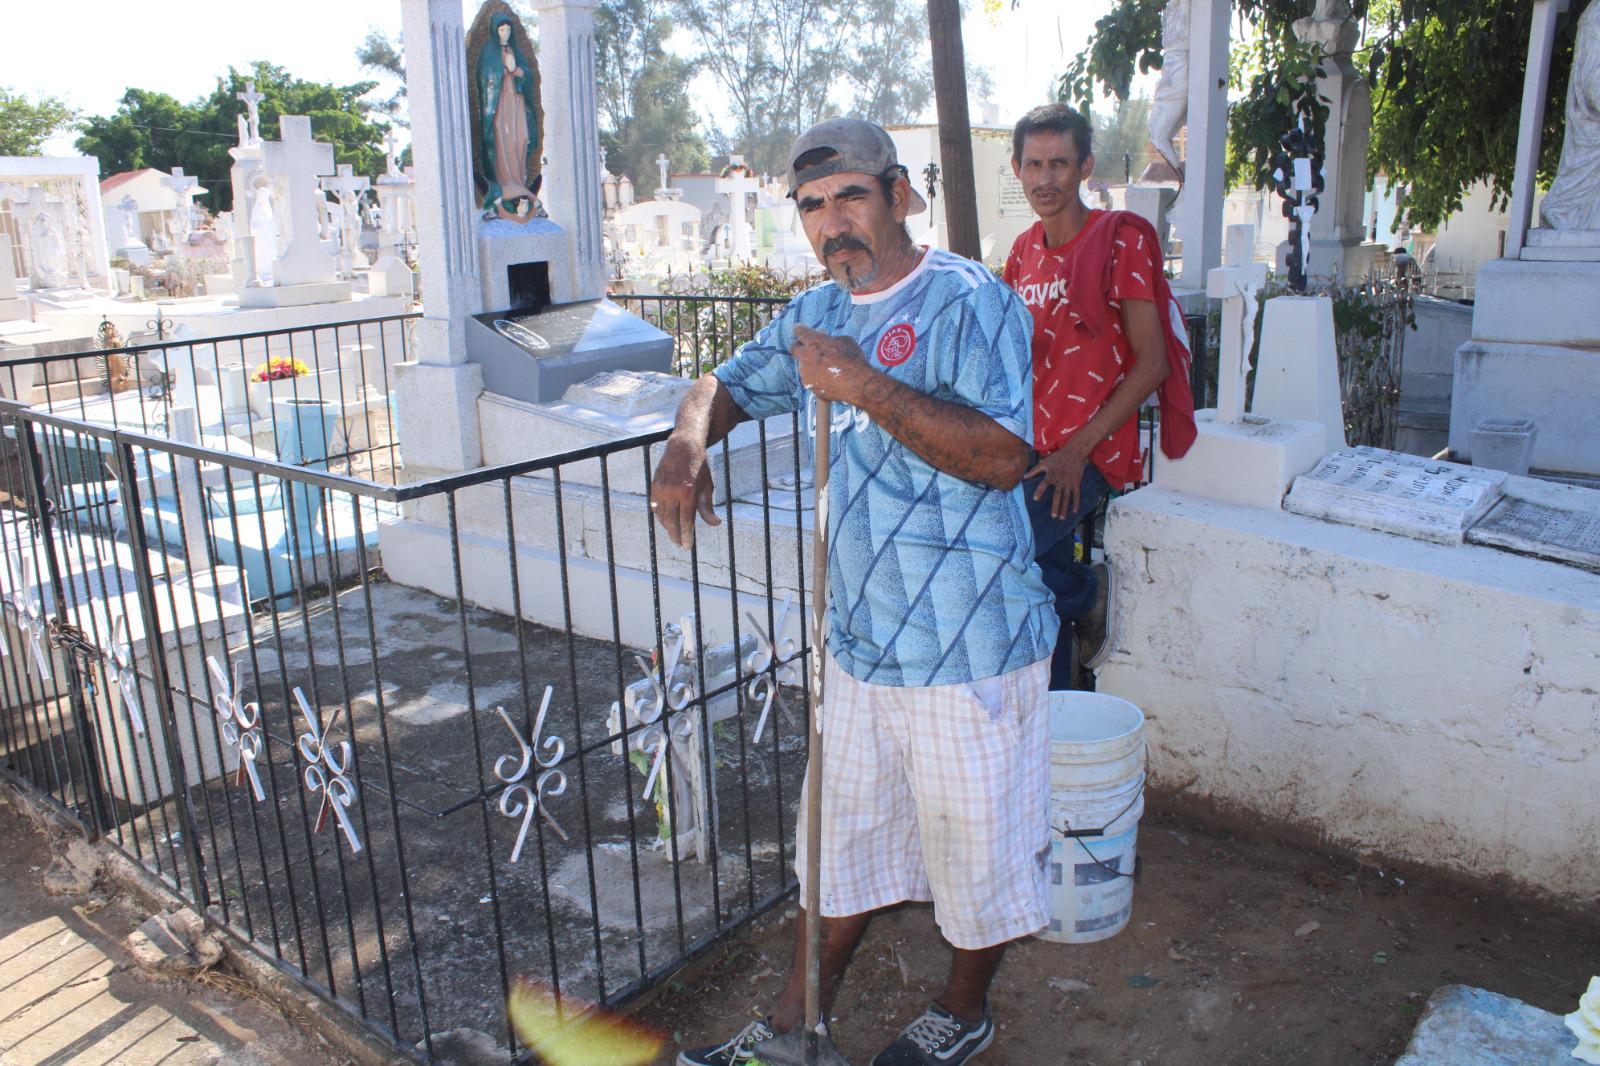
(1531, 527)
(1396, 493)
(537, 356)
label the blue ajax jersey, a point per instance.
(932, 576)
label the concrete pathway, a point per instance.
(70, 993)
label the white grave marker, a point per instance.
(1397, 493)
(1235, 284)
(300, 161)
(251, 132)
(183, 188)
(348, 187)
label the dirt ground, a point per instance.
(1242, 949)
(70, 992)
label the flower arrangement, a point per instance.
(279, 368)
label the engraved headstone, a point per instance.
(1555, 525)
(1396, 493)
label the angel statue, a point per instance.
(506, 105)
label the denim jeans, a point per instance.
(1054, 546)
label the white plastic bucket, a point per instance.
(1096, 783)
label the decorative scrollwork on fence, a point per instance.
(519, 799)
(669, 696)
(765, 687)
(239, 723)
(123, 676)
(32, 621)
(326, 771)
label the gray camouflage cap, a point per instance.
(859, 147)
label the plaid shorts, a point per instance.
(937, 793)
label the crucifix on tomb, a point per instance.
(391, 153)
(251, 100)
(1235, 283)
(348, 187)
(299, 161)
(662, 163)
(183, 188)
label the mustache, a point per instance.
(835, 245)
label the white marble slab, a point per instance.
(1396, 493)
(1551, 521)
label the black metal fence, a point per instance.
(706, 330)
(415, 743)
(239, 388)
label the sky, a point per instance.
(316, 40)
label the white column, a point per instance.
(184, 426)
(1201, 225)
(441, 148)
(571, 189)
(1541, 43)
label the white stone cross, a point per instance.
(661, 164)
(251, 98)
(345, 183)
(1235, 283)
(183, 188)
(391, 162)
(348, 187)
(299, 161)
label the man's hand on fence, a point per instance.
(681, 488)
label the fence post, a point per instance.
(155, 647)
(33, 472)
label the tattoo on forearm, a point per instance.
(951, 437)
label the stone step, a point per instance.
(64, 392)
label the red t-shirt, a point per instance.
(1074, 375)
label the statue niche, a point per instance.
(507, 120)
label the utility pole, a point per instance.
(955, 128)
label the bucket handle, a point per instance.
(1078, 835)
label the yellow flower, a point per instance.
(278, 368)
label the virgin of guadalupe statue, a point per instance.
(505, 90)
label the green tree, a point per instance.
(383, 57)
(1123, 129)
(1446, 77)
(26, 124)
(642, 93)
(887, 70)
(155, 130)
(779, 62)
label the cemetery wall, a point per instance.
(1427, 704)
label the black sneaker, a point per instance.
(739, 1050)
(938, 1038)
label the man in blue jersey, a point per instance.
(935, 731)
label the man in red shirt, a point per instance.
(1093, 282)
